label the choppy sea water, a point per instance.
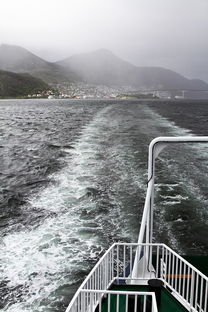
(72, 181)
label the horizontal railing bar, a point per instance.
(176, 272)
(88, 278)
(138, 244)
(114, 251)
(142, 293)
(169, 249)
(186, 262)
(180, 139)
(133, 278)
(101, 259)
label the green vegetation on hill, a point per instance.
(19, 60)
(19, 85)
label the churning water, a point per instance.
(73, 180)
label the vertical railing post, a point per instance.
(192, 288)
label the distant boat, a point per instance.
(146, 276)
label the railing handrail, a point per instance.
(137, 294)
(118, 292)
(88, 277)
(168, 248)
(113, 256)
(155, 147)
(186, 262)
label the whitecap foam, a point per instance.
(45, 257)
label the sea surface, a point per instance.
(73, 179)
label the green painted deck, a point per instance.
(168, 302)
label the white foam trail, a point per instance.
(41, 259)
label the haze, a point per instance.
(166, 33)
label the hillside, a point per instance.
(19, 60)
(103, 67)
(100, 67)
(17, 85)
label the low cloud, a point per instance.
(145, 32)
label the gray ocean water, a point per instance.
(73, 180)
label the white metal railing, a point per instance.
(155, 147)
(114, 301)
(100, 278)
(185, 282)
(146, 228)
(137, 263)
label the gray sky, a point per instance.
(167, 33)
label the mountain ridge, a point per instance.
(20, 60)
(99, 67)
(102, 66)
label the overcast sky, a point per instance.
(167, 33)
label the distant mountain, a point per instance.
(19, 60)
(17, 85)
(98, 67)
(103, 67)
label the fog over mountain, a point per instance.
(162, 33)
(103, 67)
(20, 60)
(98, 67)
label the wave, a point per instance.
(96, 198)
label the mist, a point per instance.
(165, 33)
